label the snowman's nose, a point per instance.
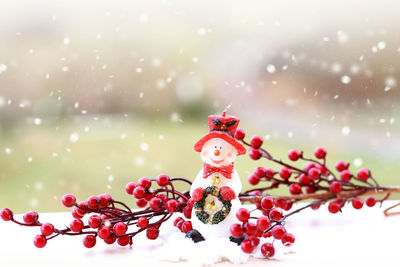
(217, 152)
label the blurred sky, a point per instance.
(295, 72)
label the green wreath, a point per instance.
(217, 217)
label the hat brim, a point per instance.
(239, 147)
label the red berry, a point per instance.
(259, 172)
(316, 205)
(243, 214)
(278, 232)
(120, 228)
(104, 232)
(68, 200)
(288, 240)
(178, 220)
(130, 187)
(187, 226)
(40, 241)
(148, 196)
(236, 230)
(187, 212)
(357, 203)
(163, 180)
(253, 179)
(144, 182)
(294, 154)
(123, 241)
(255, 154)
(76, 225)
(171, 205)
(191, 202)
(320, 152)
(31, 217)
(93, 202)
(256, 141)
(322, 168)
(295, 189)
(6, 214)
(89, 241)
(198, 194)
(139, 192)
(143, 222)
(308, 166)
(341, 166)
(288, 205)
(254, 241)
(47, 229)
(267, 234)
(345, 176)
(94, 221)
(370, 201)
(75, 214)
(263, 223)
(141, 203)
(284, 173)
(155, 203)
(310, 189)
(82, 208)
(247, 246)
(105, 200)
(267, 203)
(240, 134)
(363, 174)
(314, 173)
(111, 239)
(304, 179)
(268, 250)
(152, 232)
(269, 173)
(250, 229)
(333, 207)
(335, 187)
(275, 214)
(163, 197)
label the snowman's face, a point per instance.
(218, 152)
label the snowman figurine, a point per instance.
(216, 188)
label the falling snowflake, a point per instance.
(67, 40)
(271, 68)
(74, 137)
(144, 146)
(357, 162)
(345, 79)
(346, 130)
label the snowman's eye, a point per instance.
(215, 146)
(220, 147)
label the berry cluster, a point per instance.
(111, 220)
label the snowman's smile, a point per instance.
(217, 161)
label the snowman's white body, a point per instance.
(227, 156)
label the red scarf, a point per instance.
(224, 170)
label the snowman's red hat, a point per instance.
(224, 127)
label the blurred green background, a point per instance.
(96, 94)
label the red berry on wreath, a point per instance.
(269, 173)
(227, 193)
(255, 154)
(163, 180)
(104, 232)
(105, 200)
(141, 203)
(30, 217)
(295, 189)
(120, 228)
(320, 152)
(198, 194)
(111, 239)
(341, 166)
(304, 179)
(310, 189)
(139, 192)
(243, 214)
(94, 221)
(163, 197)
(47, 229)
(370, 201)
(316, 205)
(288, 240)
(152, 232)
(155, 203)
(240, 134)
(130, 187)
(345, 176)
(171, 205)
(308, 166)
(144, 182)
(267, 203)
(6, 214)
(250, 229)
(143, 222)
(280, 203)
(268, 250)
(247, 246)
(123, 241)
(253, 179)
(335, 187)
(187, 212)
(275, 214)
(236, 230)
(314, 173)
(259, 172)
(363, 174)
(256, 141)
(68, 200)
(40, 241)
(278, 232)
(333, 207)
(82, 208)
(285, 173)
(357, 203)
(76, 225)
(254, 241)
(93, 202)
(89, 241)
(294, 154)
(75, 214)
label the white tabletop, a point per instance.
(355, 237)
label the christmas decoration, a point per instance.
(213, 205)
